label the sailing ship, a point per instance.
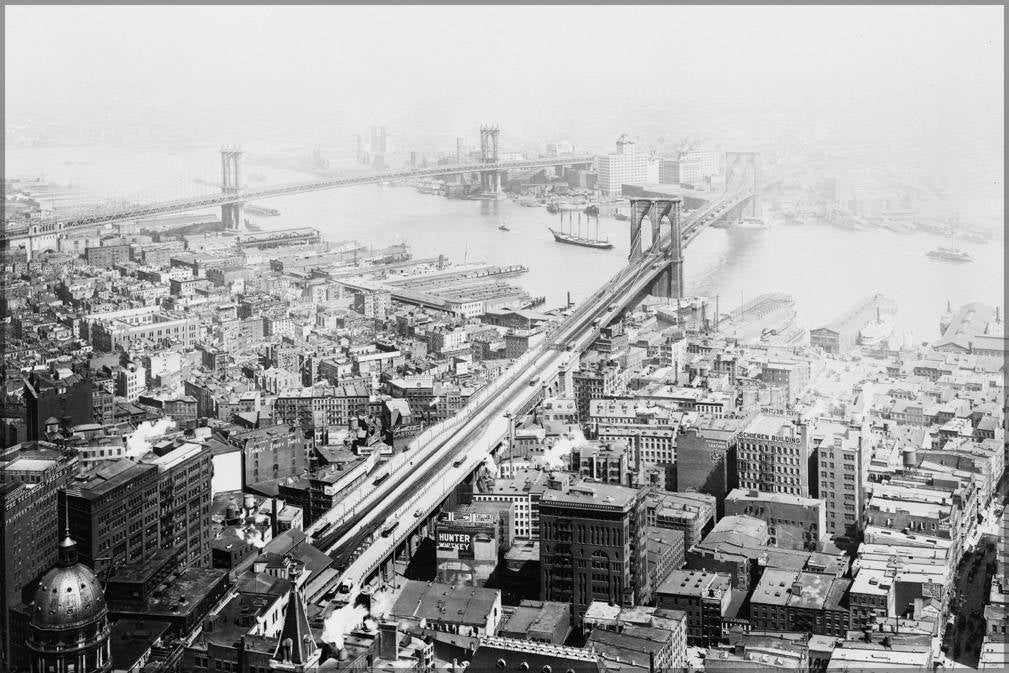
(571, 238)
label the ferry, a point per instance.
(950, 254)
(751, 223)
(876, 331)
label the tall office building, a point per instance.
(626, 166)
(31, 475)
(112, 513)
(184, 476)
(58, 397)
(773, 456)
(592, 545)
(123, 512)
(844, 469)
(69, 626)
(708, 162)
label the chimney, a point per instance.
(388, 640)
(273, 518)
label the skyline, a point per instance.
(454, 339)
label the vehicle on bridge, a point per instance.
(534, 380)
(457, 462)
(344, 592)
(380, 479)
(388, 530)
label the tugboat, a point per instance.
(577, 239)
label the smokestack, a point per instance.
(388, 640)
(716, 312)
(273, 519)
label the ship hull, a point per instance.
(561, 237)
(949, 257)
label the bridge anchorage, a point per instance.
(668, 283)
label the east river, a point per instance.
(826, 269)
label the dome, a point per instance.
(69, 595)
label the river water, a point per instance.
(826, 269)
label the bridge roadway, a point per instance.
(414, 490)
(82, 220)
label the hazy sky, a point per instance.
(927, 70)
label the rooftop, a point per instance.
(595, 494)
(693, 583)
(438, 602)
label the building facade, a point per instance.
(773, 456)
(626, 166)
(592, 545)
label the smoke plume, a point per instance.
(340, 622)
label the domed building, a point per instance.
(69, 626)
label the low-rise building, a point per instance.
(786, 600)
(704, 596)
(465, 611)
(793, 521)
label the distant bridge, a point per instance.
(36, 234)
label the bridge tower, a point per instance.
(669, 282)
(743, 174)
(490, 181)
(231, 183)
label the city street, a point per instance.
(973, 581)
